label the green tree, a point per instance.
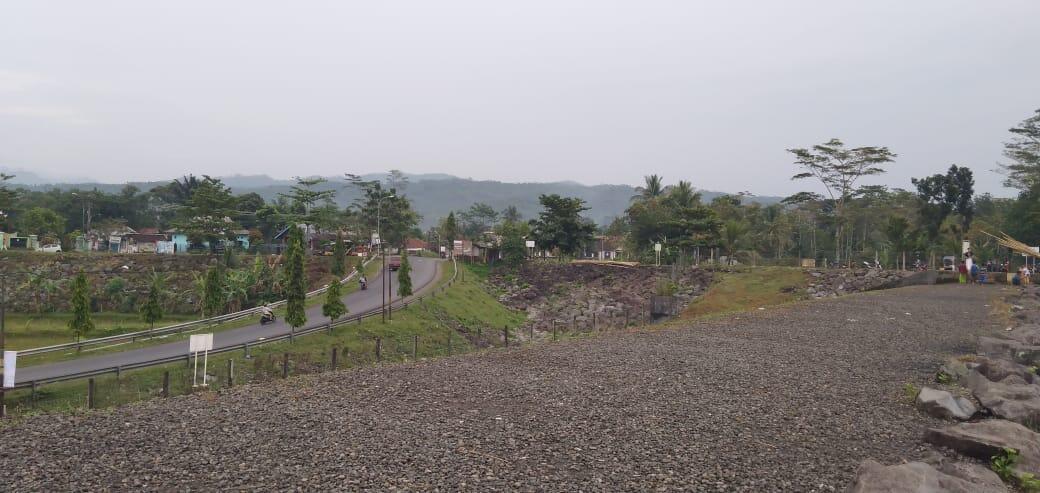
(838, 169)
(304, 196)
(478, 219)
(450, 231)
(386, 209)
(1023, 172)
(514, 251)
(207, 216)
(151, 310)
(653, 188)
(45, 223)
(339, 257)
(404, 276)
(560, 225)
(213, 292)
(333, 307)
(80, 325)
(264, 281)
(897, 231)
(296, 282)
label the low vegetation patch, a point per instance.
(748, 289)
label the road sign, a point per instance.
(657, 247)
(529, 243)
(10, 357)
(200, 342)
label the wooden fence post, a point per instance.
(335, 355)
(90, 393)
(166, 384)
(230, 373)
(415, 348)
(379, 349)
(594, 325)
(554, 330)
(505, 336)
(285, 365)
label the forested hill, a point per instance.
(433, 195)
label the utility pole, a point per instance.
(3, 315)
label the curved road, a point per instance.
(424, 272)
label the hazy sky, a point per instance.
(592, 91)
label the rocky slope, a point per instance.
(586, 293)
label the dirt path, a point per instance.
(785, 399)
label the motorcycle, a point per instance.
(266, 318)
(364, 285)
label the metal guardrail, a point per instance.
(172, 329)
(309, 330)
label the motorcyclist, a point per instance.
(266, 313)
(363, 281)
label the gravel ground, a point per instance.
(784, 399)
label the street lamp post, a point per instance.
(382, 252)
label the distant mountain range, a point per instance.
(433, 195)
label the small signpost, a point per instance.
(530, 247)
(657, 250)
(10, 358)
(200, 343)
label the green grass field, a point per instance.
(747, 289)
(463, 315)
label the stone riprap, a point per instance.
(784, 399)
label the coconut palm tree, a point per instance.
(654, 188)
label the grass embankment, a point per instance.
(26, 331)
(30, 330)
(464, 313)
(748, 289)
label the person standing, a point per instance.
(970, 268)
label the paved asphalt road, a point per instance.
(424, 272)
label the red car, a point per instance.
(394, 262)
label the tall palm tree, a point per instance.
(654, 188)
(683, 195)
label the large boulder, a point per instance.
(996, 370)
(918, 477)
(944, 405)
(985, 439)
(1012, 398)
(1026, 354)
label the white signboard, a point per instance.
(9, 366)
(375, 239)
(529, 243)
(657, 247)
(444, 249)
(965, 247)
(200, 342)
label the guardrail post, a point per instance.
(230, 373)
(330, 327)
(292, 334)
(285, 365)
(34, 395)
(335, 355)
(166, 384)
(119, 372)
(90, 393)
(379, 349)
(415, 348)
(245, 349)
